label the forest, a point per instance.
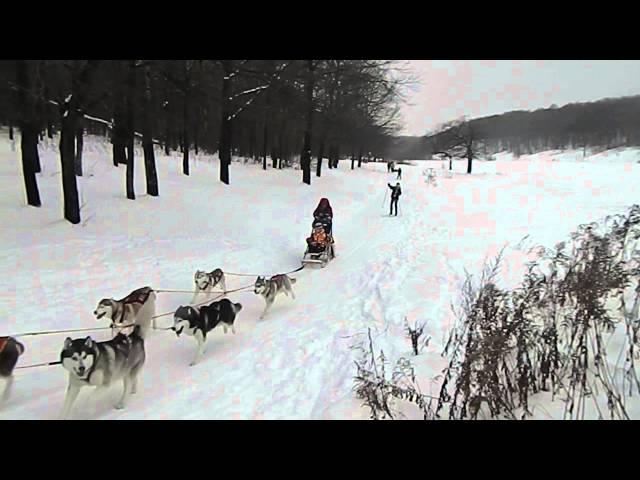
(278, 112)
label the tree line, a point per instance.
(274, 111)
(604, 124)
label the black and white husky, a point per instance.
(139, 308)
(198, 322)
(269, 289)
(206, 282)
(10, 350)
(100, 364)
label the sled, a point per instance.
(319, 258)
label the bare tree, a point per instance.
(28, 129)
(147, 137)
(459, 139)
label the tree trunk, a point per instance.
(119, 150)
(265, 142)
(469, 160)
(131, 194)
(281, 144)
(450, 163)
(36, 157)
(305, 157)
(131, 88)
(167, 137)
(195, 138)
(10, 132)
(67, 159)
(360, 158)
(28, 131)
(252, 140)
(185, 136)
(151, 174)
(119, 133)
(29, 147)
(79, 146)
(320, 154)
(49, 113)
(224, 146)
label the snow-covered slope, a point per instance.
(296, 363)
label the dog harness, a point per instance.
(3, 343)
(137, 296)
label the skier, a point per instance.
(395, 196)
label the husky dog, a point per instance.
(136, 308)
(100, 364)
(206, 282)
(197, 323)
(10, 350)
(269, 289)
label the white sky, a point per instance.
(449, 89)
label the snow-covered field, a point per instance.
(296, 363)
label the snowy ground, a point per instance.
(296, 363)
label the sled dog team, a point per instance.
(101, 364)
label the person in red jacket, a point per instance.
(324, 207)
(324, 213)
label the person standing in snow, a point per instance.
(395, 196)
(399, 174)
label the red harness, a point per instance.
(3, 343)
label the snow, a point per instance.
(296, 363)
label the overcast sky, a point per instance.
(449, 89)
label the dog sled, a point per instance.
(316, 253)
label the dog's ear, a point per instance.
(88, 342)
(67, 342)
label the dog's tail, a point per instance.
(237, 307)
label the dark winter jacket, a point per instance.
(323, 208)
(395, 191)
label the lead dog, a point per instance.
(269, 289)
(206, 282)
(136, 308)
(100, 364)
(10, 350)
(197, 323)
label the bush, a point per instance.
(551, 333)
